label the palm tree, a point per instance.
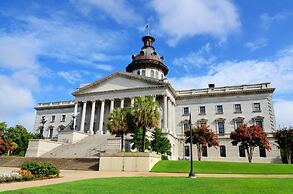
(145, 115)
(118, 123)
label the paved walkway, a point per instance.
(73, 175)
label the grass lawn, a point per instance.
(206, 167)
(155, 185)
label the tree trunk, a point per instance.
(250, 153)
(198, 151)
(289, 154)
(122, 144)
(143, 139)
(8, 152)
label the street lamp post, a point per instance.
(191, 173)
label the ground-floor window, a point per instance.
(204, 151)
(241, 151)
(262, 152)
(186, 151)
(223, 151)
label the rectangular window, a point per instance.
(204, 151)
(219, 109)
(238, 123)
(185, 111)
(241, 151)
(63, 118)
(259, 123)
(256, 107)
(237, 108)
(202, 110)
(222, 151)
(53, 119)
(185, 126)
(221, 128)
(262, 152)
(186, 151)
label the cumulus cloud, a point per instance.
(120, 11)
(196, 59)
(284, 112)
(188, 18)
(257, 44)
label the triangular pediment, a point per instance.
(119, 81)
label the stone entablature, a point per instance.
(55, 104)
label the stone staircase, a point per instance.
(89, 147)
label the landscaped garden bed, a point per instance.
(31, 171)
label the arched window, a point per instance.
(152, 73)
(157, 74)
(138, 72)
(162, 76)
(143, 72)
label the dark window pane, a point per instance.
(262, 152)
(186, 151)
(202, 110)
(237, 108)
(221, 128)
(222, 151)
(242, 151)
(204, 151)
(219, 109)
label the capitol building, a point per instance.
(78, 128)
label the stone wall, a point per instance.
(62, 163)
(38, 147)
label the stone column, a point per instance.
(83, 117)
(165, 114)
(174, 119)
(169, 115)
(112, 105)
(75, 115)
(102, 116)
(132, 102)
(122, 103)
(91, 131)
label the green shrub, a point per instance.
(41, 169)
(164, 157)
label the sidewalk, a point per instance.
(73, 175)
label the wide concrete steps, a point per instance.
(89, 147)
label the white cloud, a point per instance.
(70, 76)
(196, 59)
(278, 70)
(121, 11)
(257, 44)
(284, 112)
(188, 18)
(268, 19)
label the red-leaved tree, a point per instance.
(202, 136)
(284, 140)
(250, 137)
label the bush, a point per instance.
(26, 175)
(8, 177)
(41, 169)
(164, 157)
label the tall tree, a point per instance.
(159, 143)
(137, 138)
(118, 123)
(284, 140)
(250, 137)
(202, 136)
(145, 116)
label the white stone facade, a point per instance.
(222, 108)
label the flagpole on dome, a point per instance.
(147, 27)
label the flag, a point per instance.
(146, 26)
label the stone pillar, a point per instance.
(122, 103)
(169, 115)
(112, 105)
(132, 102)
(83, 117)
(174, 119)
(102, 116)
(91, 131)
(165, 114)
(75, 115)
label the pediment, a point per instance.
(119, 81)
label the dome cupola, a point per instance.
(148, 62)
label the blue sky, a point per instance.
(49, 48)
